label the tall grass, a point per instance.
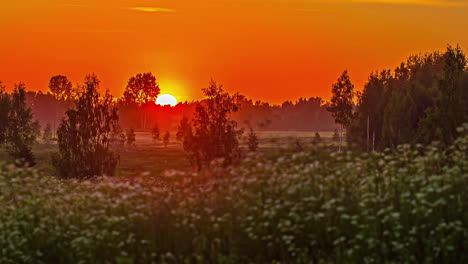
(403, 206)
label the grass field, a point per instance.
(409, 205)
(153, 158)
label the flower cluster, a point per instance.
(404, 206)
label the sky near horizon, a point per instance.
(273, 50)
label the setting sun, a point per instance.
(166, 99)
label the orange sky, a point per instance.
(272, 50)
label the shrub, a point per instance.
(404, 206)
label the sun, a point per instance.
(166, 99)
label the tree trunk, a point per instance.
(373, 141)
(367, 133)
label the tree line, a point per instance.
(423, 100)
(305, 114)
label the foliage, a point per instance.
(130, 135)
(317, 138)
(118, 139)
(409, 205)
(142, 90)
(449, 109)
(422, 100)
(4, 110)
(21, 131)
(341, 106)
(252, 141)
(61, 87)
(185, 135)
(47, 134)
(215, 134)
(84, 136)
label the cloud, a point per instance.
(417, 2)
(151, 9)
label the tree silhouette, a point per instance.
(142, 89)
(131, 138)
(47, 134)
(317, 138)
(424, 99)
(448, 111)
(61, 87)
(4, 110)
(155, 133)
(84, 136)
(341, 106)
(252, 140)
(185, 134)
(215, 134)
(21, 129)
(166, 139)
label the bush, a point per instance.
(85, 135)
(405, 206)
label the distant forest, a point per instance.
(423, 100)
(303, 115)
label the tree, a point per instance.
(341, 106)
(4, 110)
(61, 87)
(448, 111)
(142, 89)
(252, 141)
(215, 134)
(155, 133)
(36, 128)
(21, 129)
(118, 138)
(185, 134)
(317, 139)
(131, 137)
(84, 135)
(47, 134)
(166, 139)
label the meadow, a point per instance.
(153, 158)
(409, 205)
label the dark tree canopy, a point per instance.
(4, 109)
(185, 134)
(47, 134)
(21, 130)
(131, 138)
(424, 99)
(341, 106)
(215, 134)
(84, 136)
(252, 140)
(61, 87)
(142, 89)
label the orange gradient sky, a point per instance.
(272, 50)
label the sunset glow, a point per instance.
(268, 50)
